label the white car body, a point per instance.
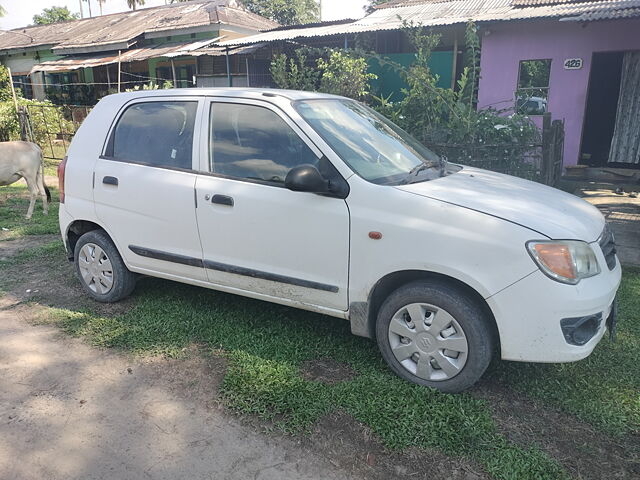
(469, 228)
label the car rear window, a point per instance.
(155, 133)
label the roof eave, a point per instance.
(93, 48)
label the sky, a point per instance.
(20, 12)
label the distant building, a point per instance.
(77, 61)
(579, 60)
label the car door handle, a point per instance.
(110, 180)
(222, 200)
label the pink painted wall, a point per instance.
(508, 43)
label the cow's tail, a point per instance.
(46, 189)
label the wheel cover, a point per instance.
(95, 269)
(428, 342)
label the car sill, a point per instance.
(223, 267)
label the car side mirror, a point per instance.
(306, 178)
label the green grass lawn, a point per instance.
(266, 346)
(13, 208)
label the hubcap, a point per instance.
(95, 269)
(428, 342)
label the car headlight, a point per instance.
(567, 261)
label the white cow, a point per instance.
(24, 160)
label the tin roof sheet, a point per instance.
(169, 50)
(120, 28)
(432, 13)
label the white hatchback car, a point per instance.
(317, 202)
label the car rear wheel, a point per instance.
(102, 273)
(435, 335)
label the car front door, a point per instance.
(257, 236)
(144, 187)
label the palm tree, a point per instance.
(132, 4)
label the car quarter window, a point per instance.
(155, 133)
(253, 142)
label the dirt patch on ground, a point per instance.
(585, 452)
(10, 248)
(70, 411)
(327, 371)
(197, 377)
(349, 443)
(52, 281)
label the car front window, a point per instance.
(375, 148)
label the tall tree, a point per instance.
(3, 12)
(100, 2)
(54, 15)
(286, 12)
(132, 4)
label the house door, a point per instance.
(602, 102)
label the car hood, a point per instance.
(551, 212)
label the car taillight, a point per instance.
(61, 169)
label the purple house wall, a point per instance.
(504, 45)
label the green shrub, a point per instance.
(338, 72)
(437, 115)
(344, 73)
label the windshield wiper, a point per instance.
(415, 171)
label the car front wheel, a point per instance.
(435, 335)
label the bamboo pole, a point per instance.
(119, 75)
(455, 61)
(228, 69)
(13, 90)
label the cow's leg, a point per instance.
(41, 191)
(33, 193)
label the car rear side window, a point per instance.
(159, 134)
(252, 142)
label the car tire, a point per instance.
(435, 335)
(100, 269)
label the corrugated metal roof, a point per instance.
(169, 50)
(100, 33)
(529, 3)
(432, 13)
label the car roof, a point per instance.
(235, 92)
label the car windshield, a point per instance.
(375, 148)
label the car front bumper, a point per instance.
(529, 315)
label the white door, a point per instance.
(144, 187)
(256, 235)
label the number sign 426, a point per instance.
(573, 64)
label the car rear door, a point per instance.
(144, 186)
(258, 236)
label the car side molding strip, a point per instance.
(224, 267)
(274, 277)
(166, 256)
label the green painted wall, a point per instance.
(390, 83)
(88, 75)
(153, 63)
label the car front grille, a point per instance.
(608, 245)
